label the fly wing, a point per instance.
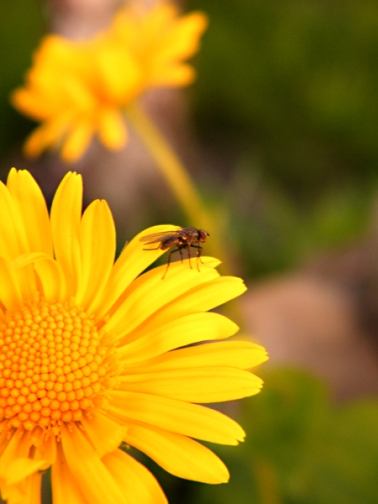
(158, 237)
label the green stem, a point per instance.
(177, 178)
(267, 482)
(170, 166)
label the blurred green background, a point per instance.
(288, 89)
(285, 111)
(21, 26)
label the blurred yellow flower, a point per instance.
(78, 89)
(96, 355)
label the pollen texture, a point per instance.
(52, 366)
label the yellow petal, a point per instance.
(24, 276)
(238, 354)
(77, 140)
(15, 445)
(186, 35)
(49, 451)
(179, 75)
(31, 205)
(52, 281)
(177, 454)
(178, 40)
(150, 292)
(78, 95)
(10, 295)
(51, 278)
(131, 262)
(29, 103)
(27, 490)
(124, 84)
(48, 134)
(98, 244)
(36, 143)
(33, 489)
(210, 385)
(65, 488)
(21, 468)
(134, 479)
(65, 225)
(19, 477)
(96, 483)
(12, 494)
(12, 447)
(104, 434)
(175, 416)
(112, 130)
(201, 297)
(12, 229)
(176, 333)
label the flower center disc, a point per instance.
(52, 365)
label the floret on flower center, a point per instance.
(53, 366)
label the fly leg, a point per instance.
(180, 250)
(189, 256)
(198, 254)
(169, 260)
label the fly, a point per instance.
(183, 239)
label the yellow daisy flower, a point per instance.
(97, 354)
(78, 89)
